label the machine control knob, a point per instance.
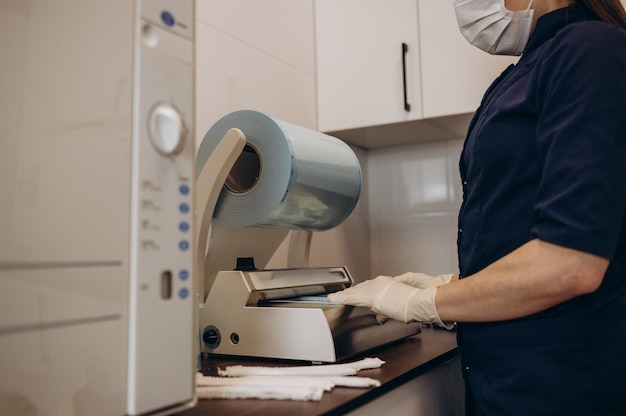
(211, 337)
(166, 129)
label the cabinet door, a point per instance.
(455, 74)
(360, 62)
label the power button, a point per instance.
(167, 18)
(166, 129)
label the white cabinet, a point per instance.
(360, 77)
(455, 74)
(360, 62)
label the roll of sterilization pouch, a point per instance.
(287, 176)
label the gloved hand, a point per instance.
(424, 281)
(393, 298)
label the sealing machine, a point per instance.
(280, 314)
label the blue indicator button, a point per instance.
(183, 245)
(167, 18)
(183, 274)
(183, 226)
(184, 208)
(183, 293)
(183, 189)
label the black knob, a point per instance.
(211, 337)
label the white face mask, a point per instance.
(488, 25)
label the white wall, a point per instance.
(249, 55)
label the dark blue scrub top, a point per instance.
(545, 155)
(545, 158)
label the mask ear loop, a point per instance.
(530, 5)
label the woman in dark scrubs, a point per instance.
(541, 297)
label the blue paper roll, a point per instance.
(287, 176)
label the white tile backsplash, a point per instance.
(414, 197)
(414, 242)
(346, 245)
(455, 190)
(410, 179)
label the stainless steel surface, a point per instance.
(356, 330)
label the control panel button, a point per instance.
(166, 129)
(183, 274)
(167, 18)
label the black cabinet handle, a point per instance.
(405, 49)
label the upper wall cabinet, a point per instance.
(361, 62)
(455, 74)
(385, 62)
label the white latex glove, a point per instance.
(362, 294)
(424, 281)
(394, 299)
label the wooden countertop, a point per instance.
(404, 361)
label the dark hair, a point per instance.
(610, 11)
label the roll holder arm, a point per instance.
(208, 187)
(245, 240)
